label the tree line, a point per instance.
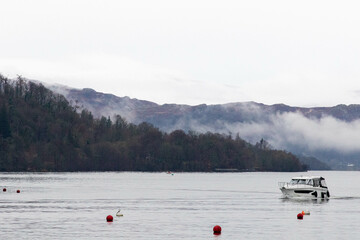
(42, 131)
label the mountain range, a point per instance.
(327, 133)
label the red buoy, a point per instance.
(300, 216)
(4, 189)
(217, 230)
(109, 218)
(18, 191)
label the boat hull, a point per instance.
(310, 193)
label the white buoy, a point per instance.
(307, 212)
(119, 214)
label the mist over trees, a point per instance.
(42, 131)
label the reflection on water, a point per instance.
(305, 200)
(179, 206)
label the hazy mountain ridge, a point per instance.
(310, 131)
(103, 104)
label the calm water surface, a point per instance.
(179, 206)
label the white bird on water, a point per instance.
(119, 214)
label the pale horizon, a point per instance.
(303, 54)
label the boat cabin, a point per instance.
(311, 181)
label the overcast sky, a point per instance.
(301, 53)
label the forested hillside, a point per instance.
(41, 131)
(283, 126)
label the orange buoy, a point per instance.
(217, 230)
(4, 189)
(300, 216)
(109, 218)
(18, 191)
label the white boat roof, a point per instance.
(308, 177)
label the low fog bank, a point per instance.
(327, 138)
(294, 130)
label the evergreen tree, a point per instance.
(5, 130)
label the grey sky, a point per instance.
(304, 53)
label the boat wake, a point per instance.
(317, 200)
(345, 197)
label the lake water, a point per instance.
(179, 206)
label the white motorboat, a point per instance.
(305, 187)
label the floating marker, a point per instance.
(300, 216)
(4, 189)
(217, 230)
(305, 212)
(109, 218)
(18, 191)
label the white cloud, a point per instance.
(293, 129)
(122, 77)
(298, 53)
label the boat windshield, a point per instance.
(294, 181)
(302, 181)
